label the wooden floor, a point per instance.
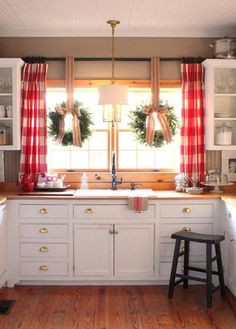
(115, 307)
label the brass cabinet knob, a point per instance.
(43, 211)
(231, 239)
(43, 249)
(186, 229)
(43, 230)
(89, 211)
(113, 231)
(186, 210)
(43, 267)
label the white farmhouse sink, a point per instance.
(114, 193)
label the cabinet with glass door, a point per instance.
(10, 98)
(220, 100)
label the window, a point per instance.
(95, 154)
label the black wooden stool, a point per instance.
(209, 240)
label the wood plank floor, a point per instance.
(115, 307)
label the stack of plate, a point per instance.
(194, 190)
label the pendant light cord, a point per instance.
(113, 24)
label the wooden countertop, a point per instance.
(160, 194)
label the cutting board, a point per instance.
(69, 192)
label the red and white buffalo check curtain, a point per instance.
(192, 129)
(34, 116)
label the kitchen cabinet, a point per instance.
(101, 240)
(230, 249)
(220, 100)
(120, 250)
(10, 102)
(3, 242)
(39, 241)
(195, 216)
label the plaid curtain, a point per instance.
(192, 129)
(34, 115)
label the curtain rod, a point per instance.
(134, 59)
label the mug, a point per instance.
(29, 187)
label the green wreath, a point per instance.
(85, 123)
(138, 124)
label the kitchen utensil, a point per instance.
(224, 48)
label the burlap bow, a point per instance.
(75, 125)
(160, 110)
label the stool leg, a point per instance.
(209, 274)
(173, 269)
(220, 269)
(186, 262)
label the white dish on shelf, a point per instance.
(223, 114)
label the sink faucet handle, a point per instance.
(133, 185)
(120, 182)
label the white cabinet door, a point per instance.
(134, 250)
(3, 233)
(220, 98)
(93, 250)
(10, 101)
(230, 263)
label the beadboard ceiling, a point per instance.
(139, 18)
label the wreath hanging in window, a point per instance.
(80, 129)
(138, 123)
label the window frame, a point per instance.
(113, 131)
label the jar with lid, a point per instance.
(4, 134)
(223, 134)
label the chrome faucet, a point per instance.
(114, 182)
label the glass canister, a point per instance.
(223, 134)
(4, 134)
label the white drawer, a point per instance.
(186, 210)
(43, 211)
(43, 250)
(111, 211)
(196, 250)
(167, 229)
(43, 269)
(43, 231)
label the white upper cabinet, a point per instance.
(220, 98)
(10, 103)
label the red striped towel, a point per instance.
(138, 204)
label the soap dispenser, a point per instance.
(84, 182)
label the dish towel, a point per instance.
(138, 204)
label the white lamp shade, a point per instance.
(113, 95)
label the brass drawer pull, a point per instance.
(186, 229)
(43, 249)
(186, 210)
(43, 267)
(89, 211)
(139, 211)
(43, 211)
(231, 239)
(116, 232)
(43, 230)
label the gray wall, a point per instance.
(101, 47)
